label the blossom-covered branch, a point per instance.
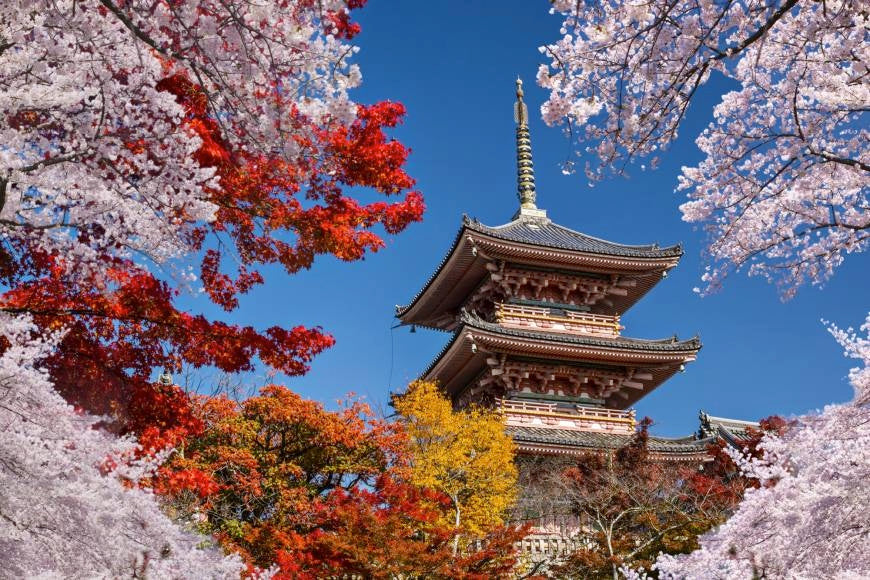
(136, 134)
(783, 188)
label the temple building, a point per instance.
(534, 308)
(535, 311)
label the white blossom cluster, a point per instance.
(59, 516)
(93, 157)
(809, 519)
(782, 190)
(783, 187)
(95, 164)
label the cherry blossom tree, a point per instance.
(88, 125)
(136, 135)
(59, 515)
(783, 187)
(783, 193)
(808, 518)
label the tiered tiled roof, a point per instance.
(532, 240)
(458, 362)
(670, 344)
(732, 430)
(546, 233)
(536, 439)
(526, 436)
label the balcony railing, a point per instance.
(578, 417)
(554, 409)
(567, 321)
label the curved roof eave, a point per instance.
(402, 310)
(655, 345)
(660, 344)
(548, 235)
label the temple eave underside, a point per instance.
(482, 364)
(480, 269)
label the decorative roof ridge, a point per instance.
(704, 416)
(480, 227)
(729, 429)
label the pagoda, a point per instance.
(535, 308)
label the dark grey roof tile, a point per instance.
(592, 440)
(544, 232)
(663, 344)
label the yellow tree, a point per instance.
(464, 454)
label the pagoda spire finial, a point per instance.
(525, 169)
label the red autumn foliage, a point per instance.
(262, 199)
(631, 505)
(721, 478)
(117, 334)
(114, 338)
(391, 532)
(279, 479)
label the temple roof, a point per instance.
(670, 344)
(546, 233)
(463, 358)
(548, 439)
(537, 242)
(732, 430)
(621, 273)
(533, 241)
(566, 441)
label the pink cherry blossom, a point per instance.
(809, 518)
(783, 188)
(59, 516)
(95, 164)
(88, 140)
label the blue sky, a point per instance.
(453, 64)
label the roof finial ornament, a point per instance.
(521, 112)
(525, 169)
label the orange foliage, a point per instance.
(270, 210)
(262, 198)
(279, 479)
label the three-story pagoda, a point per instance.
(534, 308)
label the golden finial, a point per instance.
(525, 170)
(521, 113)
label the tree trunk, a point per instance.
(610, 553)
(456, 525)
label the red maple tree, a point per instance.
(283, 481)
(269, 211)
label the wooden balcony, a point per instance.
(576, 418)
(556, 320)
